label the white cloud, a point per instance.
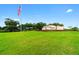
(69, 10)
(6, 17)
(17, 19)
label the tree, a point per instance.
(61, 25)
(40, 25)
(11, 25)
(56, 24)
(29, 26)
(34, 26)
(22, 27)
(75, 29)
(0, 28)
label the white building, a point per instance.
(52, 27)
(60, 27)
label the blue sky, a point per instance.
(68, 14)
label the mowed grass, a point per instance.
(39, 43)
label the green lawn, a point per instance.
(39, 43)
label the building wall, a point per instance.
(49, 27)
(52, 27)
(60, 27)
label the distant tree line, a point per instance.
(72, 29)
(14, 26)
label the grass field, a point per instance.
(39, 43)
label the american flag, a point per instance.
(19, 10)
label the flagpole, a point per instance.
(20, 23)
(19, 16)
(20, 19)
